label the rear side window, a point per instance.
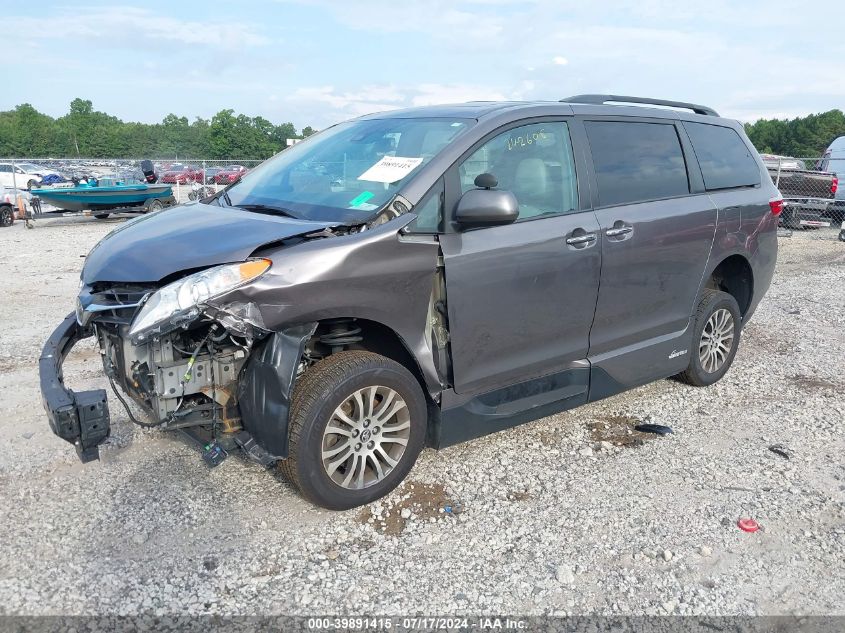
(725, 160)
(635, 162)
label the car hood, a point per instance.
(188, 237)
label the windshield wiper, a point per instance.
(268, 208)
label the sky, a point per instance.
(316, 62)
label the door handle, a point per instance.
(622, 230)
(581, 239)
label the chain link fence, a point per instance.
(810, 189)
(810, 185)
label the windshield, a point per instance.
(30, 168)
(345, 173)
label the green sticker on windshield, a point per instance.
(361, 198)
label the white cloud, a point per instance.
(557, 60)
(336, 105)
(130, 27)
(433, 94)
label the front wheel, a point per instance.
(357, 424)
(718, 324)
(32, 184)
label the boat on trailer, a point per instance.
(101, 199)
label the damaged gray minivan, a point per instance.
(422, 277)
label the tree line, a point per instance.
(85, 132)
(802, 137)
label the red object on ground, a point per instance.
(748, 525)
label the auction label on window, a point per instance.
(390, 169)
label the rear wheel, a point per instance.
(357, 424)
(718, 324)
(7, 216)
(153, 205)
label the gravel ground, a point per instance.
(570, 514)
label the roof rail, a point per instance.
(601, 99)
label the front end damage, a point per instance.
(220, 363)
(199, 376)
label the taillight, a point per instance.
(834, 185)
(776, 205)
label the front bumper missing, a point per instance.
(79, 418)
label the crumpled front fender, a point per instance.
(266, 386)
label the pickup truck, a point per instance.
(807, 193)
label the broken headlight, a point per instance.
(179, 302)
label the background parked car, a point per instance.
(209, 174)
(181, 174)
(53, 179)
(22, 175)
(230, 174)
(8, 213)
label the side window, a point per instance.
(6, 168)
(635, 162)
(534, 162)
(725, 160)
(429, 212)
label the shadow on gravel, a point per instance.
(811, 383)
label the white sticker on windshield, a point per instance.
(390, 169)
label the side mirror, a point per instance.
(486, 206)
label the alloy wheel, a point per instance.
(716, 340)
(366, 437)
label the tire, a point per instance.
(329, 387)
(101, 216)
(7, 216)
(32, 184)
(153, 205)
(711, 303)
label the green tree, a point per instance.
(86, 132)
(802, 137)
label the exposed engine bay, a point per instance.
(181, 379)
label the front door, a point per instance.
(521, 297)
(656, 238)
